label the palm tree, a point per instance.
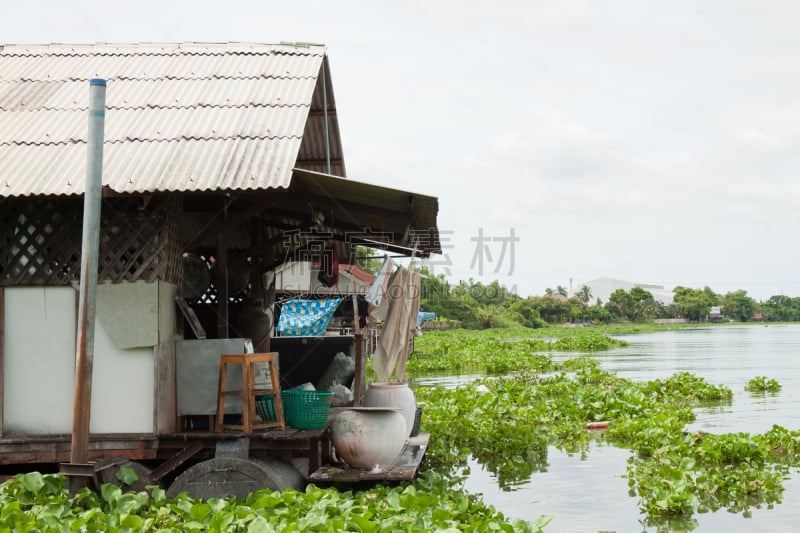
(561, 290)
(584, 294)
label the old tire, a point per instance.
(232, 476)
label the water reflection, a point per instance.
(581, 495)
(447, 381)
(591, 493)
(722, 355)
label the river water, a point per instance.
(591, 494)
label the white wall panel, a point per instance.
(40, 369)
(123, 386)
(39, 360)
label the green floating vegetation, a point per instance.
(762, 384)
(500, 351)
(36, 502)
(507, 424)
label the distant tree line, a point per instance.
(479, 306)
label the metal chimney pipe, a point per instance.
(84, 351)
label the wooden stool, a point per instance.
(249, 392)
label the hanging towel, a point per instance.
(415, 285)
(306, 317)
(401, 306)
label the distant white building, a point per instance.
(603, 288)
(715, 314)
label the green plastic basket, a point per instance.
(265, 407)
(303, 409)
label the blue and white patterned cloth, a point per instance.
(306, 317)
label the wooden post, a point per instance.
(359, 386)
(269, 307)
(257, 268)
(255, 320)
(2, 355)
(222, 287)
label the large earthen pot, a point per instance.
(366, 437)
(393, 394)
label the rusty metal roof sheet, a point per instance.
(180, 117)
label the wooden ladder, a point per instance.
(248, 392)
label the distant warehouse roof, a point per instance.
(180, 117)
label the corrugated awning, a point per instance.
(394, 217)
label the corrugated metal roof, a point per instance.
(180, 117)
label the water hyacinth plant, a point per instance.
(762, 384)
(500, 351)
(36, 502)
(507, 423)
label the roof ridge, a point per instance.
(297, 44)
(167, 49)
(168, 77)
(146, 140)
(154, 106)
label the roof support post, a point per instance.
(325, 111)
(84, 350)
(221, 282)
(2, 356)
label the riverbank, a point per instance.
(626, 328)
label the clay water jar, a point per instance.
(393, 394)
(366, 437)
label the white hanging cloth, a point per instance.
(378, 288)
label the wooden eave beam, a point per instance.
(318, 162)
(321, 112)
(365, 238)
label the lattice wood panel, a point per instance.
(40, 240)
(138, 241)
(171, 234)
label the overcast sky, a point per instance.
(651, 141)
